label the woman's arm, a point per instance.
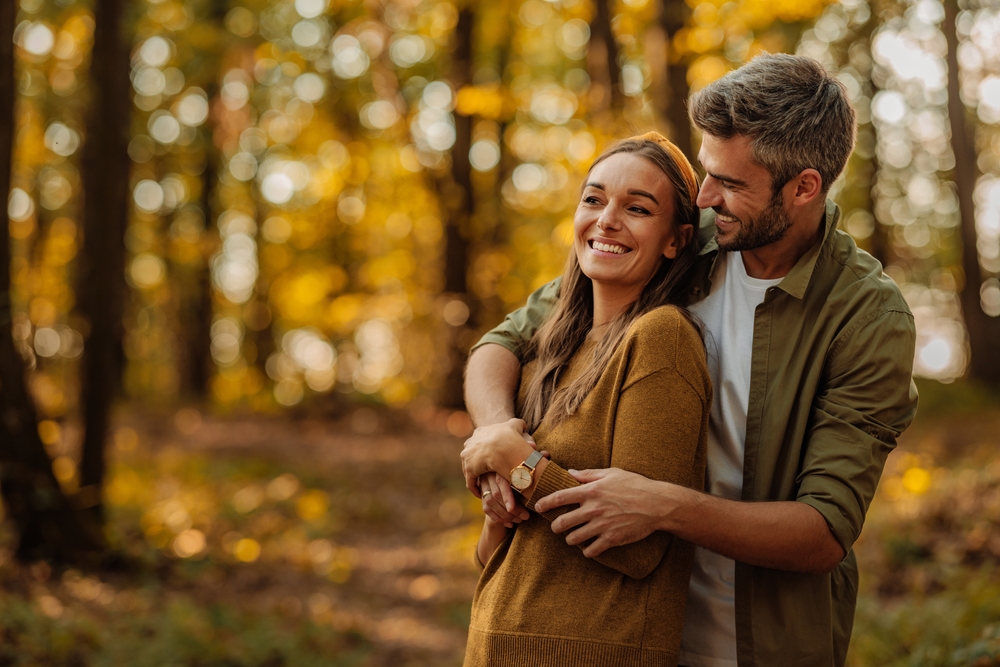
(490, 539)
(659, 430)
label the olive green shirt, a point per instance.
(830, 391)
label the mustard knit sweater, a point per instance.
(541, 602)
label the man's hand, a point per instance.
(615, 507)
(484, 451)
(618, 507)
(500, 503)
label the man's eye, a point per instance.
(727, 185)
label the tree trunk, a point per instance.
(195, 329)
(46, 524)
(257, 314)
(602, 63)
(878, 243)
(672, 102)
(194, 291)
(102, 289)
(457, 200)
(198, 370)
(983, 330)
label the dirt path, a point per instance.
(402, 537)
(358, 529)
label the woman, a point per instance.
(613, 379)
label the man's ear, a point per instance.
(679, 241)
(806, 187)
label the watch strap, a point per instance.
(533, 459)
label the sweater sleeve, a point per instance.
(660, 430)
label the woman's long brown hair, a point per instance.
(566, 329)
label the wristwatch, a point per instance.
(523, 475)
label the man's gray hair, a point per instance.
(796, 115)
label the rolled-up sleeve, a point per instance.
(867, 400)
(519, 326)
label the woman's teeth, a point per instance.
(604, 247)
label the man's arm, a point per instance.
(868, 401)
(492, 376)
(619, 507)
(494, 369)
(491, 379)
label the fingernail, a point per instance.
(524, 517)
(508, 525)
(510, 507)
(571, 470)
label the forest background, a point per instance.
(250, 242)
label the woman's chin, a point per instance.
(611, 283)
(613, 273)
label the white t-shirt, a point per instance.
(728, 316)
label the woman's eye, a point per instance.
(640, 210)
(591, 199)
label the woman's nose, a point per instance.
(609, 219)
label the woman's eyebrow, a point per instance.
(643, 193)
(640, 193)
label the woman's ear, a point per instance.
(678, 241)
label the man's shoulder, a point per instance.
(857, 278)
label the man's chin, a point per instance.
(726, 240)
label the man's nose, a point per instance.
(710, 194)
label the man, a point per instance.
(810, 350)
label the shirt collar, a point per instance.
(797, 280)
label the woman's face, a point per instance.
(624, 224)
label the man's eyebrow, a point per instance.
(728, 179)
(719, 177)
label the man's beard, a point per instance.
(762, 229)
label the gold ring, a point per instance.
(487, 494)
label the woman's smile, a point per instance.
(609, 247)
(624, 225)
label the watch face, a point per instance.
(520, 478)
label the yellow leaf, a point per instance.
(917, 481)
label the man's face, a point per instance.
(748, 215)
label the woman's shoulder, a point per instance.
(666, 337)
(665, 323)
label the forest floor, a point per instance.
(266, 541)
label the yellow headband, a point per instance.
(687, 171)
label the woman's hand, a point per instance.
(499, 502)
(496, 448)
